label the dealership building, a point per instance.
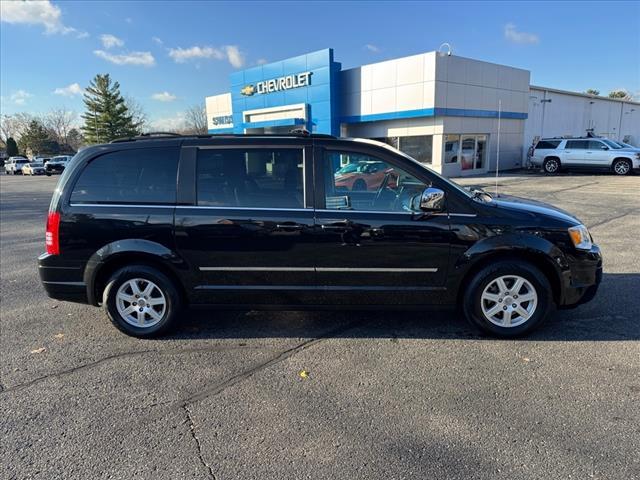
(450, 112)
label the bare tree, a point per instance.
(137, 112)
(196, 120)
(60, 121)
(14, 125)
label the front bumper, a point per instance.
(581, 281)
(62, 281)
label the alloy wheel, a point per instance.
(621, 168)
(509, 301)
(141, 303)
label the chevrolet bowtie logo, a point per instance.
(248, 90)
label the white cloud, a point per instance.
(82, 35)
(231, 53)
(235, 56)
(70, 90)
(19, 97)
(157, 40)
(164, 97)
(35, 13)
(110, 41)
(262, 61)
(372, 48)
(144, 59)
(168, 124)
(513, 35)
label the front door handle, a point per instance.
(341, 225)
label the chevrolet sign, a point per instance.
(278, 84)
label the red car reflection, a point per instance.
(363, 176)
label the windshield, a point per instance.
(611, 144)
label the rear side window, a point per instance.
(547, 144)
(577, 145)
(142, 176)
(266, 178)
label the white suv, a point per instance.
(555, 154)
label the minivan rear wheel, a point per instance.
(508, 298)
(551, 165)
(141, 301)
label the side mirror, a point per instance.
(432, 200)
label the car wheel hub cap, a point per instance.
(622, 167)
(141, 303)
(509, 301)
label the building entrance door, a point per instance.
(472, 154)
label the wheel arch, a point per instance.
(116, 255)
(535, 251)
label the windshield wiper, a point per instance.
(479, 193)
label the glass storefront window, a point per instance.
(419, 147)
(481, 150)
(451, 148)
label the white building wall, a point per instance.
(571, 114)
(464, 83)
(218, 106)
(393, 86)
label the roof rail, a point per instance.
(166, 135)
(146, 136)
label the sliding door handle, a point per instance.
(289, 226)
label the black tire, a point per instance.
(621, 166)
(359, 185)
(551, 165)
(164, 284)
(472, 301)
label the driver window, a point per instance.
(360, 182)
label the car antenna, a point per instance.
(498, 145)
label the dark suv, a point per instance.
(146, 226)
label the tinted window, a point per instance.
(129, 176)
(360, 182)
(577, 144)
(596, 145)
(547, 144)
(270, 178)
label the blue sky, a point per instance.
(170, 55)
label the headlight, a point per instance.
(580, 237)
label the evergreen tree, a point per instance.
(12, 147)
(36, 139)
(107, 116)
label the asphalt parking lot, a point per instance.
(388, 395)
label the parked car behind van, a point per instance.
(14, 165)
(557, 154)
(56, 164)
(145, 226)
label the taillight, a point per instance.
(52, 235)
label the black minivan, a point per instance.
(148, 225)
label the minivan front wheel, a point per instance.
(141, 301)
(508, 298)
(621, 167)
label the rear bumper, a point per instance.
(581, 281)
(62, 281)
